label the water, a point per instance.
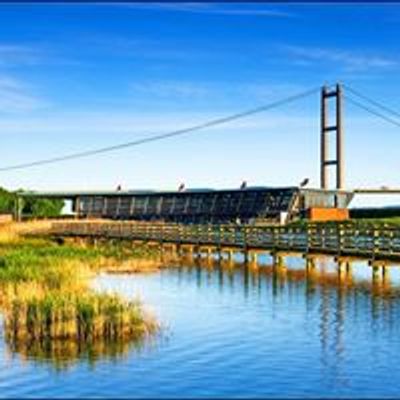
(236, 331)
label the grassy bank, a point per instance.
(47, 303)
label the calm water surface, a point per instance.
(236, 331)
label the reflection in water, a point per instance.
(62, 354)
(336, 289)
(32, 341)
(251, 329)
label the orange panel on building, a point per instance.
(327, 214)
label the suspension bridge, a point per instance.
(248, 204)
(248, 219)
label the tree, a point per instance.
(31, 206)
(42, 207)
(7, 201)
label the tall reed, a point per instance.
(83, 318)
(49, 307)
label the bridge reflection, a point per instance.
(321, 271)
(337, 298)
(322, 285)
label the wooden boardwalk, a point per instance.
(340, 240)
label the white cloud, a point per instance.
(123, 125)
(219, 92)
(143, 48)
(217, 9)
(264, 91)
(350, 61)
(33, 54)
(15, 96)
(12, 54)
(166, 89)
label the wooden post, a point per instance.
(253, 258)
(385, 271)
(341, 271)
(348, 268)
(18, 208)
(230, 257)
(78, 207)
(310, 264)
(385, 276)
(196, 251)
(375, 273)
(246, 256)
(277, 260)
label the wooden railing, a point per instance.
(337, 239)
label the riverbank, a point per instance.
(47, 302)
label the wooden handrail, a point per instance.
(339, 239)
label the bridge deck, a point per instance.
(374, 244)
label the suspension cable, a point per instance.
(372, 111)
(372, 101)
(154, 138)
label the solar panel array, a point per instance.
(200, 207)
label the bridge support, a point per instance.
(342, 271)
(385, 277)
(219, 254)
(209, 252)
(230, 255)
(245, 253)
(375, 274)
(253, 256)
(278, 264)
(336, 128)
(348, 268)
(310, 264)
(380, 271)
(277, 260)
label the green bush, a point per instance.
(30, 205)
(7, 201)
(42, 207)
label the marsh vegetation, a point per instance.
(49, 308)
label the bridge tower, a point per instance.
(336, 129)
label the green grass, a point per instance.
(50, 264)
(392, 221)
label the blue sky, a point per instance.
(77, 77)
